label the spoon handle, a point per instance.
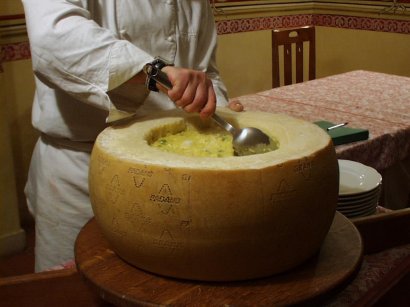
(223, 123)
(162, 79)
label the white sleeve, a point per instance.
(72, 52)
(209, 42)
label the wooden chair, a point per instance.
(287, 38)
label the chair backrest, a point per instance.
(287, 38)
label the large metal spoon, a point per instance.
(246, 141)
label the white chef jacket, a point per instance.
(82, 53)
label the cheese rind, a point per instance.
(229, 218)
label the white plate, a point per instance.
(354, 201)
(356, 205)
(360, 214)
(356, 178)
(358, 208)
(357, 200)
(359, 196)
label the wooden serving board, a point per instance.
(122, 284)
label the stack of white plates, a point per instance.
(359, 189)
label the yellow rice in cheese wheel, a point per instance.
(205, 142)
(208, 141)
(214, 218)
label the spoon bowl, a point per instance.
(246, 141)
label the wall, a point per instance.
(341, 50)
(10, 7)
(12, 236)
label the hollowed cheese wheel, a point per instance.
(214, 219)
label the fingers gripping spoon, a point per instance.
(246, 141)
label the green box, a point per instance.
(344, 134)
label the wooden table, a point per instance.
(374, 101)
(120, 283)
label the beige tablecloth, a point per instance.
(374, 101)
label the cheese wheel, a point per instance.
(210, 218)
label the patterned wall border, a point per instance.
(337, 21)
(16, 51)
(362, 23)
(262, 23)
(21, 51)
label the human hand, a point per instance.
(191, 90)
(236, 106)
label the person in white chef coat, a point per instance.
(88, 57)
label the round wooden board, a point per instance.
(122, 284)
